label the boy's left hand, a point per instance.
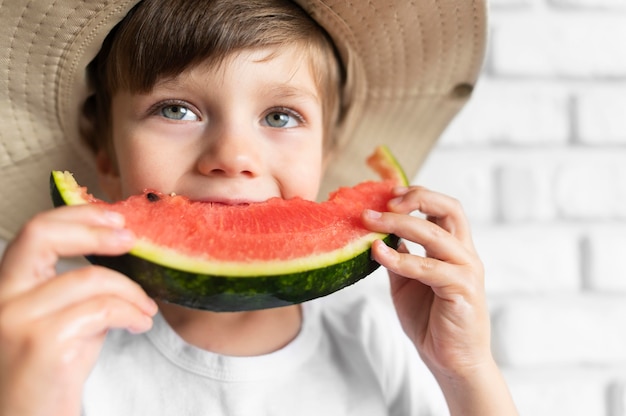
(439, 298)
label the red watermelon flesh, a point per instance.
(273, 230)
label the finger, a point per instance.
(407, 293)
(79, 286)
(70, 330)
(437, 242)
(429, 271)
(71, 231)
(92, 214)
(31, 257)
(441, 209)
(79, 320)
(446, 280)
(63, 347)
(95, 317)
(397, 281)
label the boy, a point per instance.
(237, 102)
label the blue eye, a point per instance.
(281, 119)
(178, 112)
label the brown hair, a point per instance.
(160, 39)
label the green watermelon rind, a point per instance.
(387, 166)
(171, 258)
(229, 294)
(196, 283)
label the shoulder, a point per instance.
(363, 327)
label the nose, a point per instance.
(230, 153)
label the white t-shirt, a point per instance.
(349, 358)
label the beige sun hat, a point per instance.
(411, 66)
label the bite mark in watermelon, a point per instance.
(262, 255)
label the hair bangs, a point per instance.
(158, 43)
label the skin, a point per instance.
(244, 134)
(440, 298)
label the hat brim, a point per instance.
(410, 68)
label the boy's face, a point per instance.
(247, 131)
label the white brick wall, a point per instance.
(538, 159)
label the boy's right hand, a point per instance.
(52, 326)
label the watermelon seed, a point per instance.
(152, 197)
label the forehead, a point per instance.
(289, 70)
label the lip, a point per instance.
(231, 195)
(235, 203)
(227, 201)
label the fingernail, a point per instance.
(114, 218)
(377, 246)
(124, 235)
(151, 306)
(400, 190)
(370, 213)
(382, 247)
(144, 325)
(395, 201)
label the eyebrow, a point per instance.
(279, 90)
(289, 91)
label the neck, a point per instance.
(235, 333)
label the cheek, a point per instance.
(303, 178)
(141, 171)
(135, 165)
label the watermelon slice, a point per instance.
(233, 258)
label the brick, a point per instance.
(510, 4)
(535, 184)
(559, 45)
(617, 395)
(601, 114)
(568, 183)
(561, 391)
(606, 269)
(590, 4)
(560, 331)
(468, 179)
(525, 191)
(523, 113)
(592, 188)
(527, 259)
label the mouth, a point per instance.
(225, 201)
(225, 197)
(155, 196)
(228, 203)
